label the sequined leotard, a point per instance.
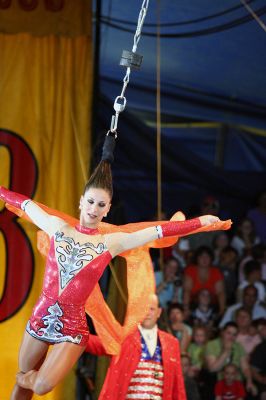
(76, 261)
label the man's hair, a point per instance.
(250, 287)
(250, 267)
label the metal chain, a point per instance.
(120, 101)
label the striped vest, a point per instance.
(147, 380)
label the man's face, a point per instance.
(153, 314)
(249, 297)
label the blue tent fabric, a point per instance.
(186, 176)
(213, 64)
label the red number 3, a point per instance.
(19, 254)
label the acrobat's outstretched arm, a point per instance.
(119, 242)
(39, 217)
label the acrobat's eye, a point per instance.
(102, 205)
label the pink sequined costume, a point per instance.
(74, 265)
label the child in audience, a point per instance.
(204, 313)
(191, 387)
(229, 388)
(196, 349)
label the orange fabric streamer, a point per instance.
(140, 276)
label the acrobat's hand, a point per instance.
(13, 198)
(206, 220)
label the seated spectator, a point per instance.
(220, 242)
(245, 238)
(258, 362)
(230, 387)
(247, 336)
(258, 253)
(191, 387)
(169, 283)
(252, 271)
(209, 205)
(196, 349)
(258, 217)
(228, 267)
(178, 328)
(249, 303)
(181, 251)
(203, 275)
(204, 313)
(225, 350)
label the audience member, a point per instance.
(252, 271)
(196, 349)
(258, 253)
(249, 302)
(247, 333)
(225, 350)
(220, 242)
(191, 387)
(228, 267)
(203, 275)
(204, 313)
(258, 362)
(181, 251)
(178, 328)
(168, 282)
(258, 217)
(209, 205)
(245, 237)
(230, 388)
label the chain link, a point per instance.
(120, 101)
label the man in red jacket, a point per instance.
(148, 366)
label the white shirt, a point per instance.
(258, 312)
(150, 336)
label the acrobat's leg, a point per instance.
(57, 364)
(31, 355)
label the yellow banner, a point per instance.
(45, 101)
(44, 17)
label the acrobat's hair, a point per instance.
(101, 178)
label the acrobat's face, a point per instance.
(94, 205)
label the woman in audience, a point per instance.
(245, 238)
(220, 242)
(226, 350)
(203, 275)
(169, 283)
(178, 328)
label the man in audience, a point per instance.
(258, 361)
(148, 365)
(250, 303)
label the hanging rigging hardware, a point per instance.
(130, 59)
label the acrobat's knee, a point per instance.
(42, 385)
(35, 381)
